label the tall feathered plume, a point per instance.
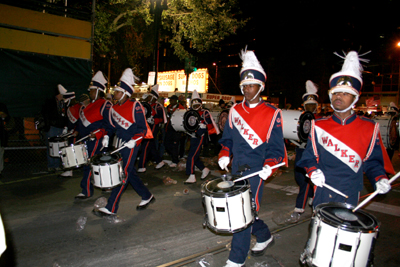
(311, 87)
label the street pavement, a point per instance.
(46, 227)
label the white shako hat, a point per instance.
(195, 98)
(154, 91)
(252, 72)
(98, 82)
(66, 95)
(311, 96)
(393, 108)
(349, 79)
(126, 82)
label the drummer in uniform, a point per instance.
(69, 102)
(305, 186)
(392, 112)
(172, 137)
(206, 126)
(93, 122)
(129, 123)
(344, 146)
(157, 118)
(253, 135)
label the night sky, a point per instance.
(295, 40)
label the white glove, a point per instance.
(202, 126)
(131, 144)
(65, 130)
(105, 140)
(265, 172)
(223, 162)
(318, 178)
(383, 186)
(150, 120)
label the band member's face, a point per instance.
(342, 100)
(250, 91)
(93, 94)
(310, 107)
(118, 95)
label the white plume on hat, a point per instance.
(252, 72)
(154, 91)
(195, 95)
(66, 95)
(311, 88)
(250, 61)
(98, 81)
(128, 79)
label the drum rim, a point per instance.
(185, 115)
(94, 160)
(301, 121)
(346, 227)
(226, 231)
(206, 192)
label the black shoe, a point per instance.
(144, 203)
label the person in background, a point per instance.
(92, 123)
(172, 137)
(53, 113)
(157, 118)
(206, 126)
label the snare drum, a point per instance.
(74, 155)
(228, 206)
(185, 121)
(55, 145)
(147, 109)
(388, 126)
(107, 170)
(296, 124)
(223, 117)
(340, 237)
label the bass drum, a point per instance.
(296, 124)
(147, 109)
(389, 128)
(185, 121)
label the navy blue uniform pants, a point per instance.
(240, 245)
(93, 148)
(128, 157)
(305, 185)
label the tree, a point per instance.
(197, 25)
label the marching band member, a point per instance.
(149, 145)
(207, 126)
(172, 137)
(253, 136)
(93, 121)
(69, 102)
(129, 123)
(344, 146)
(305, 190)
(392, 112)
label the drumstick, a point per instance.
(124, 146)
(83, 138)
(256, 173)
(374, 193)
(335, 190)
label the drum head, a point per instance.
(147, 109)
(191, 120)
(105, 158)
(342, 215)
(219, 187)
(304, 126)
(223, 117)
